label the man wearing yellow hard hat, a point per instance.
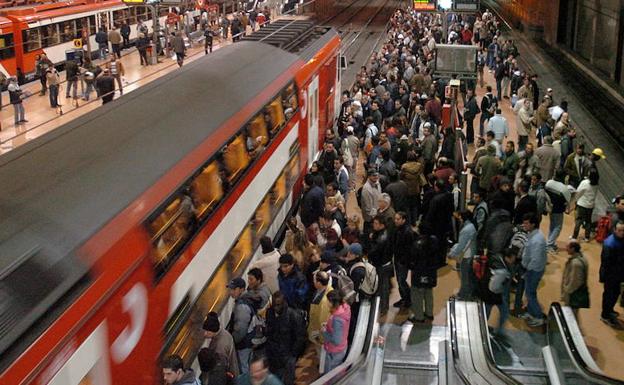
(594, 157)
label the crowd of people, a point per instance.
(107, 76)
(412, 219)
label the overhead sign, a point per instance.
(460, 60)
(466, 5)
(424, 5)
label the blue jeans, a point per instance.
(556, 223)
(244, 355)
(503, 310)
(532, 280)
(332, 360)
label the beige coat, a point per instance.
(574, 276)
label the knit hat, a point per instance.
(212, 324)
(356, 249)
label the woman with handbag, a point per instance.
(574, 291)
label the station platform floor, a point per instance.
(42, 118)
(604, 343)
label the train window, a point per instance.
(68, 30)
(235, 157)
(7, 50)
(293, 169)
(132, 16)
(49, 35)
(276, 115)
(170, 230)
(118, 17)
(257, 134)
(289, 100)
(92, 25)
(263, 216)
(207, 189)
(31, 39)
(279, 190)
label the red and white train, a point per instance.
(120, 229)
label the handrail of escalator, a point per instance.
(452, 325)
(366, 330)
(487, 347)
(575, 346)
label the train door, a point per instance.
(313, 119)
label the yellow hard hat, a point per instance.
(599, 152)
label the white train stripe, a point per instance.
(204, 264)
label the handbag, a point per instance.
(579, 298)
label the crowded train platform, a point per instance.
(268, 193)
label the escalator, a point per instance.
(567, 346)
(559, 357)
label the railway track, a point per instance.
(606, 113)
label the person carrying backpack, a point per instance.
(240, 321)
(364, 277)
(286, 338)
(494, 286)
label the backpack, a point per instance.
(371, 282)
(344, 285)
(480, 267)
(256, 331)
(602, 229)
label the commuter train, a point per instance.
(120, 229)
(51, 28)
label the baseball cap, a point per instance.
(236, 283)
(599, 152)
(328, 257)
(349, 128)
(404, 137)
(355, 248)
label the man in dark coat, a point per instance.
(471, 110)
(439, 218)
(312, 203)
(401, 242)
(105, 85)
(285, 338)
(612, 273)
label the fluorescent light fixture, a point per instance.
(445, 4)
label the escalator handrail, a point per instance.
(487, 347)
(367, 327)
(576, 348)
(452, 325)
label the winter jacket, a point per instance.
(466, 246)
(15, 93)
(284, 335)
(294, 287)
(337, 330)
(101, 37)
(312, 205)
(498, 232)
(370, 198)
(488, 167)
(424, 265)
(612, 260)
(534, 253)
(223, 344)
(188, 379)
(548, 161)
(263, 292)
(71, 70)
(412, 175)
(115, 37)
(379, 251)
(439, 214)
(574, 276)
(576, 167)
(239, 321)
(401, 240)
(320, 310)
(510, 165)
(269, 263)
(398, 192)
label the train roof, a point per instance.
(301, 37)
(61, 188)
